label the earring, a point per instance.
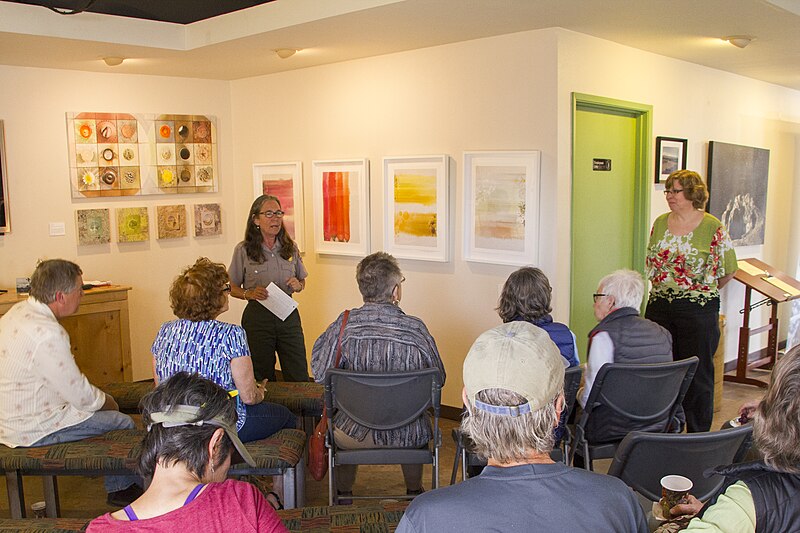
(212, 465)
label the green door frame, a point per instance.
(643, 114)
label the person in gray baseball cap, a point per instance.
(514, 392)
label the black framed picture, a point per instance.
(737, 187)
(5, 222)
(670, 156)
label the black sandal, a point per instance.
(278, 504)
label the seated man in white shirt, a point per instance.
(44, 397)
(622, 336)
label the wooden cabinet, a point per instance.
(99, 332)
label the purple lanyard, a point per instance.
(189, 499)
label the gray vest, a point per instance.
(636, 339)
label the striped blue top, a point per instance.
(205, 347)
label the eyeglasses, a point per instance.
(270, 214)
(226, 287)
(596, 296)
(673, 192)
(403, 279)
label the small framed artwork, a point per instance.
(5, 211)
(207, 220)
(171, 221)
(670, 156)
(341, 206)
(416, 223)
(132, 224)
(284, 181)
(94, 226)
(501, 208)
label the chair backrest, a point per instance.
(572, 382)
(642, 459)
(383, 401)
(629, 397)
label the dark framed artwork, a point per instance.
(670, 156)
(737, 186)
(5, 221)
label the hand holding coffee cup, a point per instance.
(674, 490)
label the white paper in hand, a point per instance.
(277, 301)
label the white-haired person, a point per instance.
(622, 335)
(514, 391)
(190, 443)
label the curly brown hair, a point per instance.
(197, 294)
(694, 189)
(526, 296)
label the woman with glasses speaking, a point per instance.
(269, 255)
(689, 258)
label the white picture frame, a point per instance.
(341, 206)
(501, 207)
(284, 180)
(416, 207)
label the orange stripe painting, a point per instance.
(336, 206)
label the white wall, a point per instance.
(33, 103)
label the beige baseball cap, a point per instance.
(515, 356)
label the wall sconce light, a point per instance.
(285, 53)
(113, 61)
(739, 41)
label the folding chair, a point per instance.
(642, 459)
(382, 402)
(629, 397)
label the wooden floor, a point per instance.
(85, 497)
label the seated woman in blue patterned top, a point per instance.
(198, 343)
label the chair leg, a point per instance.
(290, 488)
(16, 494)
(463, 464)
(53, 506)
(332, 496)
(454, 475)
(435, 468)
(300, 484)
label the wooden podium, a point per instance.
(777, 287)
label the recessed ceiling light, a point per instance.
(113, 61)
(740, 41)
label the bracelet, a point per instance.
(245, 294)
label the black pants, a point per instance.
(267, 334)
(695, 331)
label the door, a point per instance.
(610, 199)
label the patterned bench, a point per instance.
(301, 398)
(375, 518)
(117, 452)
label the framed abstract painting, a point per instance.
(341, 206)
(5, 211)
(416, 221)
(284, 181)
(501, 207)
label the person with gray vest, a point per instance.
(622, 336)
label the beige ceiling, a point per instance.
(240, 44)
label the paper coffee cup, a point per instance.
(39, 509)
(674, 490)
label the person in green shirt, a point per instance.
(689, 258)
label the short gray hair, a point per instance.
(377, 275)
(508, 439)
(626, 286)
(53, 276)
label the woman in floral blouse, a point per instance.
(689, 258)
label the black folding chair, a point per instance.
(468, 460)
(642, 459)
(382, 402)
(629, 397)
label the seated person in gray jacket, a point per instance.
(622, 336)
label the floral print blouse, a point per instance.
(689, 266)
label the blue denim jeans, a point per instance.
(97, 424)
(263, 419)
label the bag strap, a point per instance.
(339, 342)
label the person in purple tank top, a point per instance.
(189, 446)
